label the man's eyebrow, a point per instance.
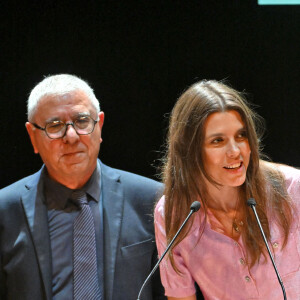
(53, 119)
(81, 114)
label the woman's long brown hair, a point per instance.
(184, 168)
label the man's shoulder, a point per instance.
(137, 179)
(133, 180)
(19, 186)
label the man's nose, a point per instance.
(71, 136)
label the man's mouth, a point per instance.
(234, 166)
(72, 153)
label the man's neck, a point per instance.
(72, 182)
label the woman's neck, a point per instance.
(224, 204)
(222, 198)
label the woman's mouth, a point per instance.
(234, 166)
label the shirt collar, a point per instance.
(93, 186)
(57, 195)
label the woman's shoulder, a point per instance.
(291, 174)
(280, 175)
(292, 181)
(291, 178)
(159, 211)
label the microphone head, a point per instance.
(195, 206)
(251, 202)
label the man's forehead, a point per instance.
(74, 116)
(68, 105)
(68, 100)
(67, 96)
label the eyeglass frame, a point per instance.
(66, 124)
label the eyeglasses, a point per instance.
(83, 125)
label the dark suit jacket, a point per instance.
(129, 247)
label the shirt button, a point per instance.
(247, 278)
(275, 245)
(236, 244)
(242, 262)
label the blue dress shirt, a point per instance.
(61, 215)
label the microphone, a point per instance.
(251, 202)
(194, 207)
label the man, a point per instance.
(46, 251)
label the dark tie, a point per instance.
(86, 286)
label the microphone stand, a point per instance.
(194, 207)
(251, 202)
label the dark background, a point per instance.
(139, 56)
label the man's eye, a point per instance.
(82, 120)
(54, 126)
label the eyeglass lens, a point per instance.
(82, 125)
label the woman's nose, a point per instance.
(233, 149)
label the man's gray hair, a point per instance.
(59, 85)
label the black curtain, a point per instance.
(139, 56)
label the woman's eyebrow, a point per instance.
(222, 134)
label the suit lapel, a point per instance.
(36, 214)
(113, 202)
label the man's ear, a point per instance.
(31, 131)
(101, 122)
(101, 119)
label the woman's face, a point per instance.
(226, 148)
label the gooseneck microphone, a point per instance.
(194, 207)
(251, 202)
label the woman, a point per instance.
(213, 156)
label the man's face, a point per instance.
(72, 158)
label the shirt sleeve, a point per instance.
(176, 285)
(292, 180)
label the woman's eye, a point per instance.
(242, 135)
(217, 141)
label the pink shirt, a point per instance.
(217, 262)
